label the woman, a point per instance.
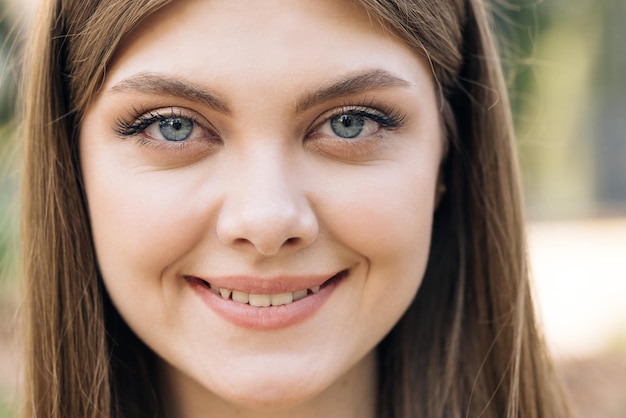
(274, 209)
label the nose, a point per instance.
(265, 209)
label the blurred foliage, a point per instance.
(8, 213)
(6, 410)
(8, 74)
(8, 193)
(8, 168)
(565, 63)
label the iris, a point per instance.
(176, 129)
(347, 126)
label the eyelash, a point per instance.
(388, 118)
(139, 120)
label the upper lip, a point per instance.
(270, 284)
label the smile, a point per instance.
(266, 304)
(263, 300)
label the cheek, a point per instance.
(141, 221)
(386, 215)
(386, 219)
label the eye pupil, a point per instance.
(346, 121)
(176, 129)
(347, 126)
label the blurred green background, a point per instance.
(565, 62)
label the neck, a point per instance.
(352, 395)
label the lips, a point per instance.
(265, 303)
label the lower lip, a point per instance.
(264, 318)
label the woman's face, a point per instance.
(277, 153)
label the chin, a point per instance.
(270, 394)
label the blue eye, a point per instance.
(166, 126)
(176, 129)
(347, 125)
(357, 122)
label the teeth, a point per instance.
(299, 294)
(282, 299)
(240, 297)
(225, 293)
(260, 300)
(263, 300)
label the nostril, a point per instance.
(242, 241)
(265, 247)
(289, 242)
(292, 241)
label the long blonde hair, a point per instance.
(467, 346)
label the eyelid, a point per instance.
(358, 148)
(386, 117)
(140, 119)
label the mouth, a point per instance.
(265, 300)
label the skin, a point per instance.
(263, 188)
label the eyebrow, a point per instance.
(160, 84)
(346, 85)
(349, 85)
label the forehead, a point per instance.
(220, 39)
